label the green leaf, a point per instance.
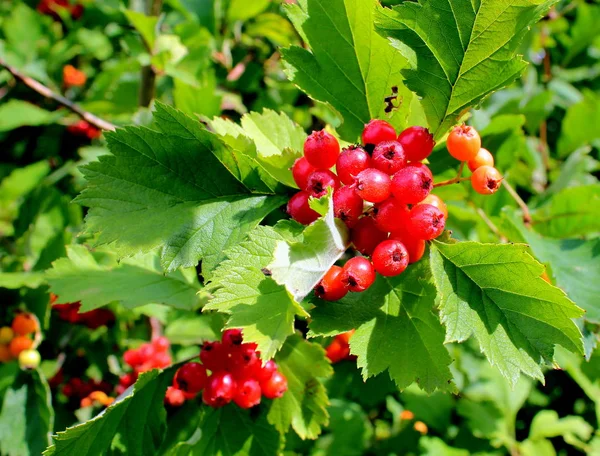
(459, 51)
(167, 188)
(145, 25)
(495, 292)
(242, 10)
(17, 113)
(546, 425)
(300, 265)
(396, 329)
(202, 99)
(16, 280)
(304, 405)
(247, 294)
(27, 417)
(348, 66)
(579, 125)
(97, 279)
(194, 329)
(582, 32)
(434, 446)
(137, 420)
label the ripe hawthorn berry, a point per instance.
(426, 222)
(133, 357)
(347, 205)
(213, 356)
(337, 350)
(318, 182)
(436, 201)
(350, 162)
(24, 323)
(299, 209)
(191, 378)
(243, 360)
(415, 247)
(377, 131)
(248, 393)
(412, 184)
(463, 142)
(417, 143)
(332, 287)
(321, 149)
(174, 397)
(219, 390)
(486, 180)
(161, 344)
(373, 185)
(264, 373)
(358, 274)
(301, 170)
(18, 344)
(483, 158)
(365, 235)
(389, 214)
(232, 337)
(389, 157)
(390, 258)
(275, 386)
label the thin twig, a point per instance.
(155, 327)
(454, 180)
(148, 75)
(520, 202)
(493, 228)
(48, 93)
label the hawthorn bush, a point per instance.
(322, 227)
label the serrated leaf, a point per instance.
(248, 295)
(138, 419)
(97, 279)
(495, 293)
(167, 188)
(348, 66)
(459, 51)
(396, 329)
(304, 405)
(27, 417)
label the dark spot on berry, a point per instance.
(426, 183)
(318, 187)
(352, 281)
(397, 255)
(389, 153)
(266, 272)
(492, 184)
(319, 290)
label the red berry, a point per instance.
(299, 209)
(213, 356)
(412, 184)
(248, 394)
(321, 149)
(275, 386)
(350, 162)
(337, 350)
(133, 357)
(417, 143)
(390, 258)
(358, 274)
(426, 222)
(366, 236)
(331, 287)
(486, 180)
(388, 157)
(373, 185)
(232, 337)
(219, 390)
(390, 214)
(463, 143)
(264, 373)
(161, 360)
(174, 397)
(347, 205)
(161, 344)
(436, 201)
(243, 360)
(126, 380)
(147, 352)
(301, 170)
(483, 158)
(377, 131)
(191, 377)
(318, 182)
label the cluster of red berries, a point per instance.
(70, 312)
(339, 349)
(16, 341)
(151, 355)
(382, 191)
(53, 8)
(78, 389)
(236, 374)
(84, 128)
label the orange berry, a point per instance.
(463, 143)
(486, 180)
(5, 354)
(86, 402)
(72, 77)
(25, 323)
(20, 343)
(421, 427)
(436, 201)
(6, 335)
(483, 158)
(407, 415)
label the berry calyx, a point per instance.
(389, 157)
(299, 209)
(301, 170)
(426, 222)
(332, 287)
(365, 235)
(321, 149)
(486, 180)
(377, 131)
(29, 359)
(412, 184)
(373, 185)
(220, 389)
(191, 378)
(350, 162)
(25, 323)
(232, 337)
(463, 142)
(390, 258)
(417, 143)
(389, 214)
(347, 205)
(318, 182)
(358, 274)
(248, 394)
(483, 158)
(436, 201)
(275, 386)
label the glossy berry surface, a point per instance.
(483, 158)
(248, 393)
(377, 131)
(299, 209)
(436, 201)
(389, 157)
(232, 337)
(18, 344)
(337, 350)
(373, 185)
(486, 180)
(347, 205)
(463, 142)
(358, 274)
(415, 247)
(390, 258)
(389, 214)
(417, 143)
(191, 377)
(29, 359)
(426, 222)
(412, 184)
(319, 181)
(275, 386)
(301, 170)
(332, 287)
(350, 162)
(220, 389)
(24, 323)
(321, 149)
(365, 236)
(213, 356)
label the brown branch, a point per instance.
(524, 208)
(454, 180)
(148, 83)
(48, 93)
(155, 327)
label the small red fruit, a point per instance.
(161, 344)
(321, 149)
(191, 378)
(332, 287)
(483, 158)
(219, 390)
(347, 205)
(24, 323)
(414, 247)
(358, 274)
(19, 344)
(412, 184)
(390, 214)
(350, 162)
(319, 181)
(486, 180)
(275, 386)
(463, 143)
(174, 397)
(389, 157)
(390, 258)
(72, 77)
(213, 356)
(232, 337)
(436, 201)
(337, 350)
(373, 185)
(248, 394)
(377, 131)
(243, 361)
(265, 372)
(301, 170)
(365, 236)
(417, 142)
(426, 222)
(133, 358)
(299, 209)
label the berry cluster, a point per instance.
(85, 129)
(16, 341)
(151, 355)
(70, 312)
(339, 349)
(72, 77)
(97, 398)
(55, 8)
(382, 191)
(80, 390)
(236, 374)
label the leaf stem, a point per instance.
(48, 93)
(454, 180)
(148, 74)
(526, 214)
